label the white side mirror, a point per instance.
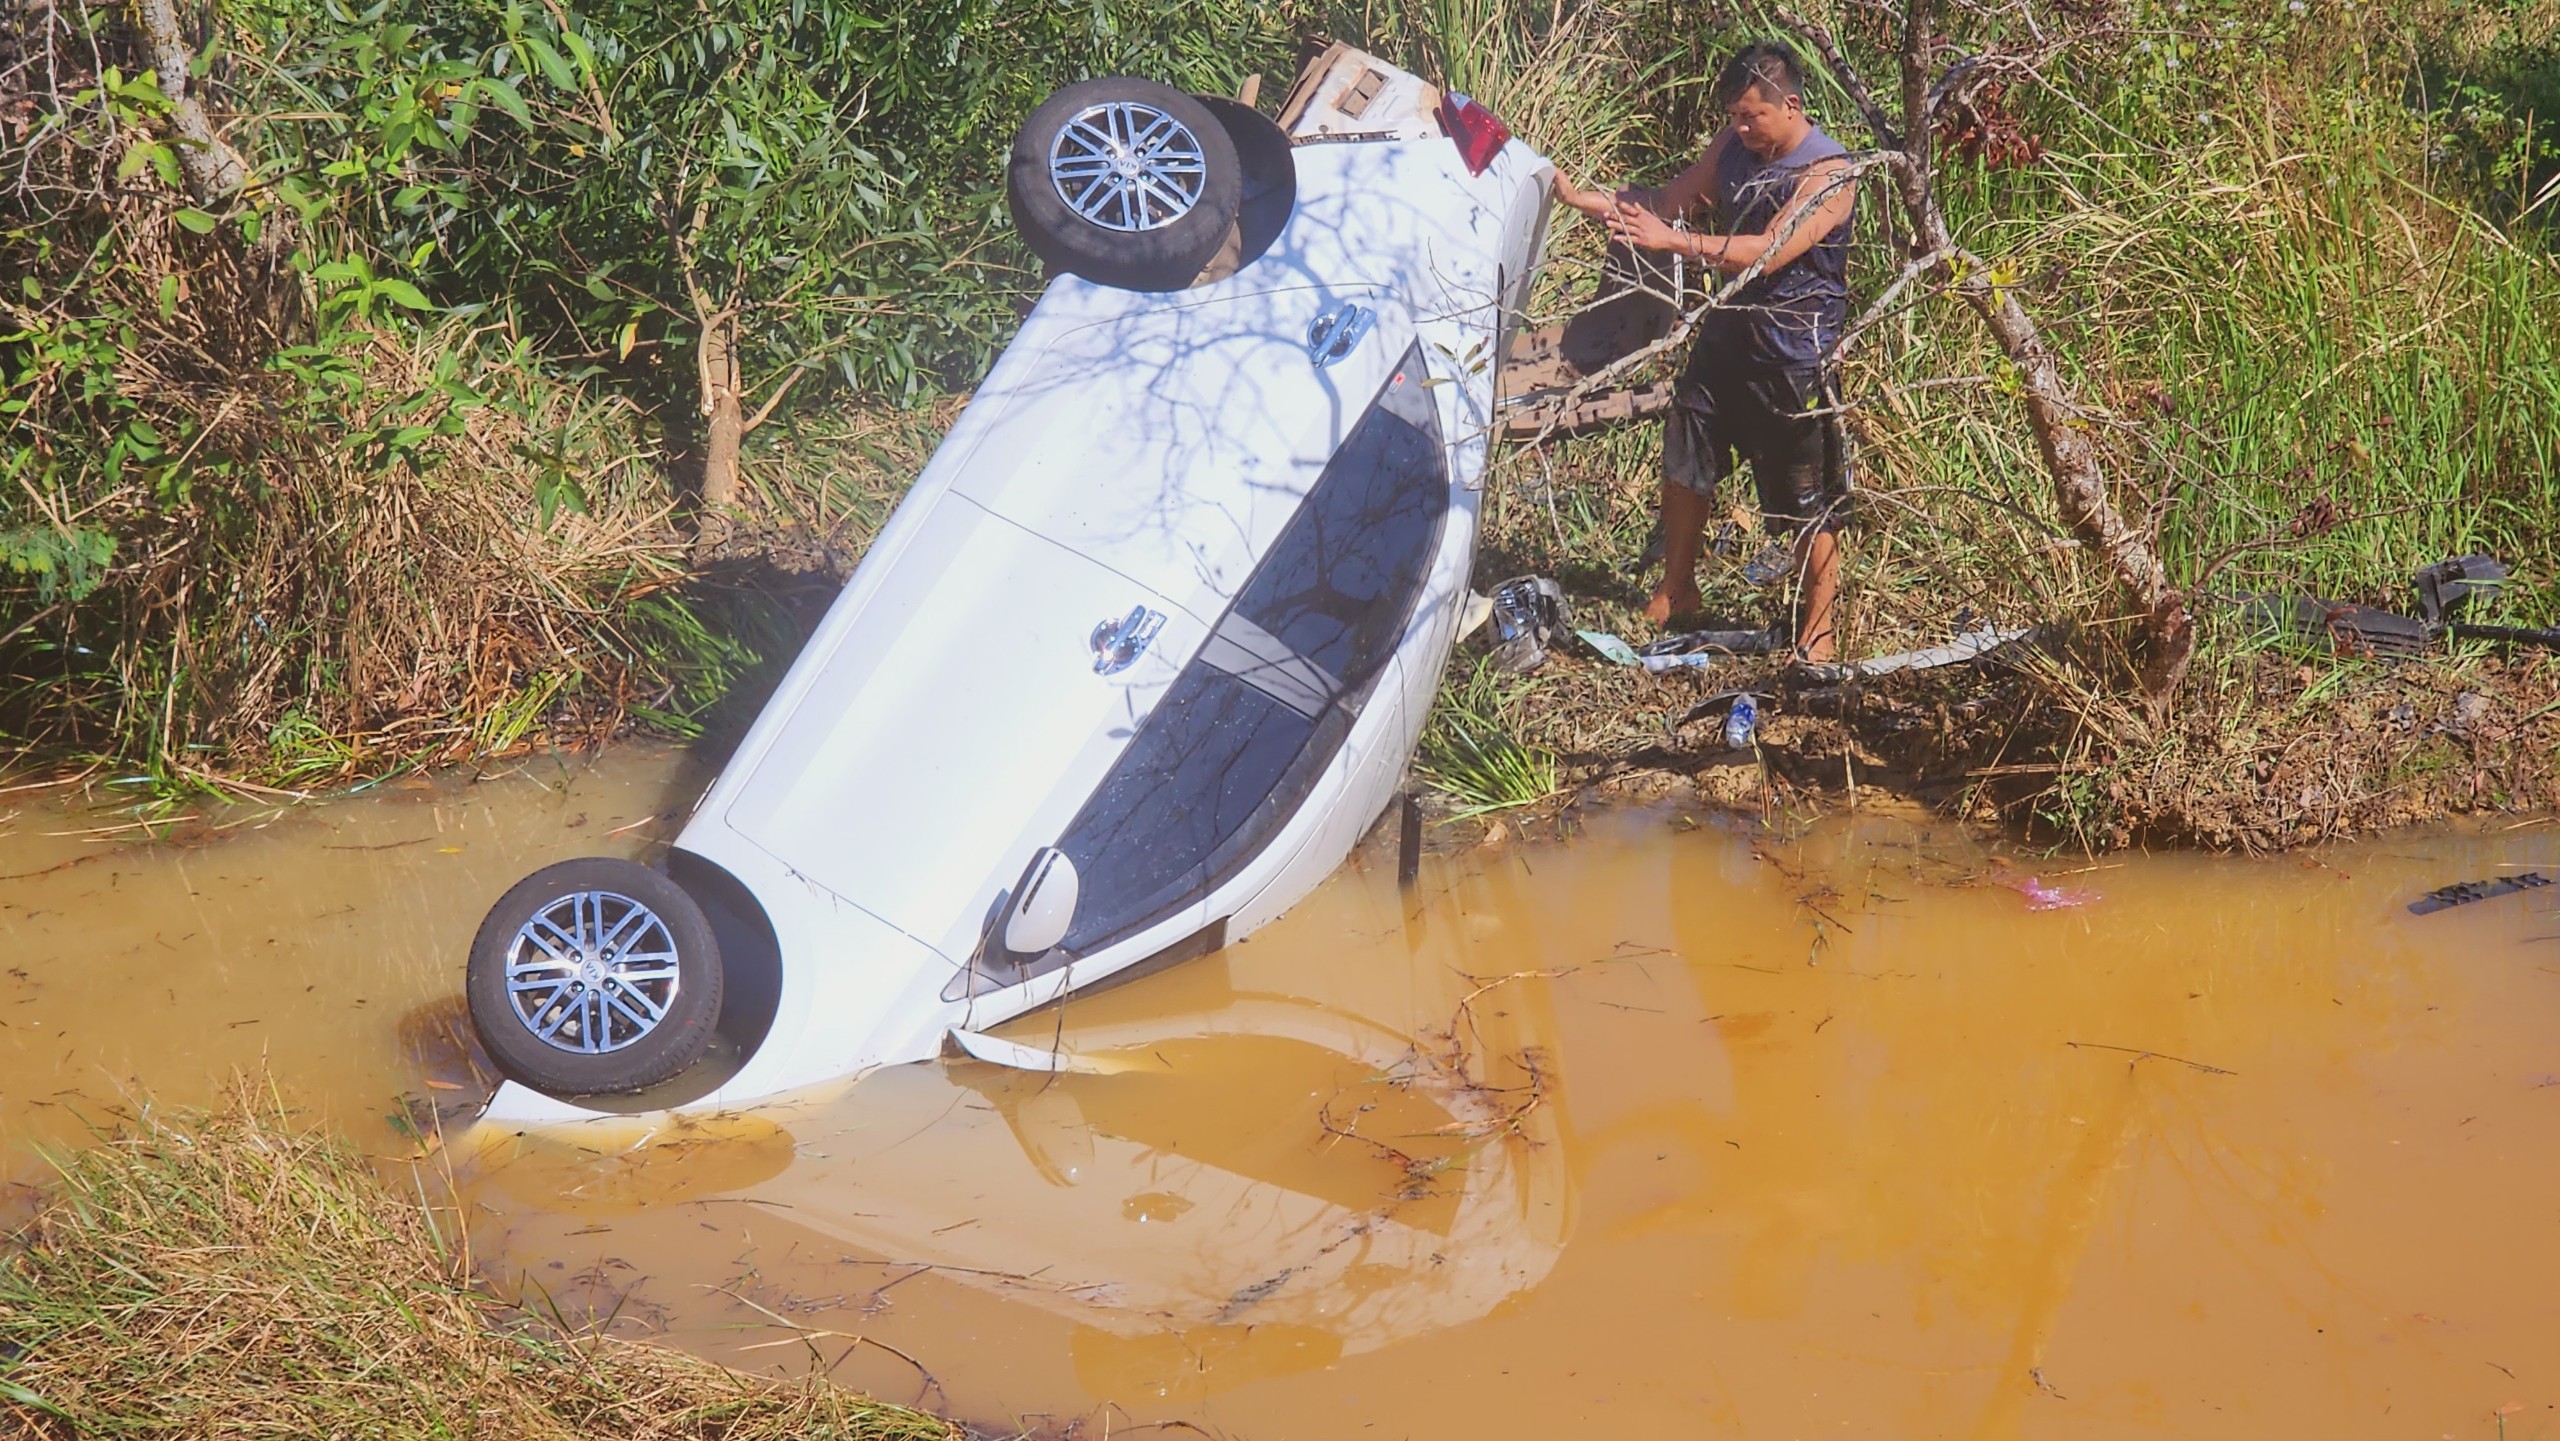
(1044, 904)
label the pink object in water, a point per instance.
(2041, 897)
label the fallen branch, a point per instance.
(1858, 167)
(2061, 429)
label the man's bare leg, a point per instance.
(1819, 558)
(1684, 526)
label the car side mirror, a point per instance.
(1044, 904)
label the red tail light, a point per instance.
(1479, 133)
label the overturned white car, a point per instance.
(1140, 656)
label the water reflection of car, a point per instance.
(1139, 657)
(1235, 1162)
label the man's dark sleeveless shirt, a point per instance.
(1788, 319)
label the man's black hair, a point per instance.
(1761, 65)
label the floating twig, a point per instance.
(2142, 1055)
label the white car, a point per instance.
(1141, 655)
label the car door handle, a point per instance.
(1117, 644)
(1338, 330)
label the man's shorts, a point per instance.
(1721, 416)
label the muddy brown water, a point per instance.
(1674, 1127)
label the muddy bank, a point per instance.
(2265, 752)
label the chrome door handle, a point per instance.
(1338, 330)
(1117, 644)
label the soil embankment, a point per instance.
(2274, 750)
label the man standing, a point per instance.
(1783, 195)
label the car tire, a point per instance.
(595, 977)
(1142, 216)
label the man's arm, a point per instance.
(1690, 186)
(1822, 200)
(1673, 200)
(1598, 204)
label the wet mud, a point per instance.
(1674, 1126)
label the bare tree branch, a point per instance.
(1883, 304)
(1858, 166)
(1888, 135)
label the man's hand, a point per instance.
(1637, 225)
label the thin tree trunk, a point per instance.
(716, 357)
(2080, 493)
(721, 407)
(214, 171)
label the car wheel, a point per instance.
(1125, 182)
(593, 977)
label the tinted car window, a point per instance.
(1230, 752)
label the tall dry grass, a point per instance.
(2310, 364)
(2311, 361)
(235, 1274)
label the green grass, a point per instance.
(1472, 753)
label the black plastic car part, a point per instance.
(1269, 186)
(2348, 629)
(1125, 182)
(2446, 588)
(2445, 898)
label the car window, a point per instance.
(1231, 751)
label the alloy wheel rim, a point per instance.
(592, 972)
(1127, 166)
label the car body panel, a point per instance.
(920, 713)
(1222, 426)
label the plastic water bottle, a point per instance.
(1740, 722)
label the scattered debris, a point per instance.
(1775, 562)
(1741, 722)
(1611, 649)
(2545, 637)
(1972, 645)
(1722, 700)
(1731, 642)
(2445, 898)
(2448, 586)
(2347, 628)
(1528, 611)
(2445, 589)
